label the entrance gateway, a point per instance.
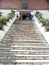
(25, 14)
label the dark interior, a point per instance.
(24, 17)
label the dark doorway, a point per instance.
(24, 17)
(27, 17)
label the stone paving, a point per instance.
(23, 42)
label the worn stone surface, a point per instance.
(21, 35)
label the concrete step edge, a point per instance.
(12, 55)
(23, 61)
(30, 46)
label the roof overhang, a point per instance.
(24, 10)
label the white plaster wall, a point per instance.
(45, 13)
(6, 28)
(42, 29)
(5, 12)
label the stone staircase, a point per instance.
(24, 45)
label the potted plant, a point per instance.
(38, 15)
(13, 12)
(43, 21)
(0, 14)
(1, 24)
(4, 20)
(10, 15)
(7, 19)
(47, 25)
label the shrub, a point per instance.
(38, 15)
(0, 14)
(44, 21)
(47, 23)
(12, 11)
(9, 16)
(4, 20)
(0, 20)
(1, 24)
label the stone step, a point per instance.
(25, 53)
(24, 61)
(27, 44)
(24, 57)
(33, 38)
(11, 55)
(24, 23)
(23, 26)
(2, 44)
(18, 38)
(24, 33)
(14, 50)
(26, 41)
(23, 48)
(20, 41)
(30, 48)
(33, 63)
(22, 44)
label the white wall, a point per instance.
(5, 12)
(45, 13)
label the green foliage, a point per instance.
(3, 20)
(44, 21)
(38, 15)
(10, 15)
(0, 14)
(47, 23)
(0, 20)
(12, 11)
(0, 17)
(1, 24)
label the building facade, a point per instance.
(24, 4)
